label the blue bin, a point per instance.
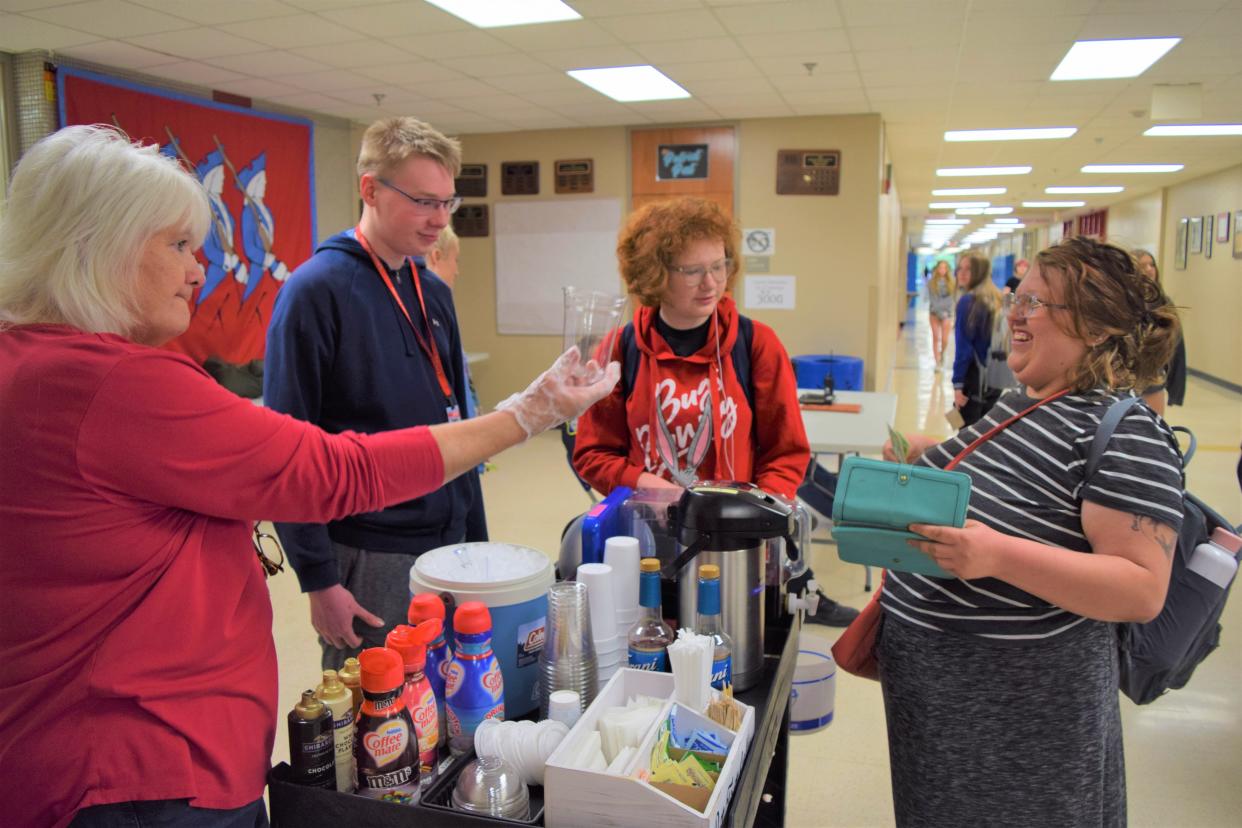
(846, 371)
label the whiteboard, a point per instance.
(541, 246)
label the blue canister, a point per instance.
(474, 688)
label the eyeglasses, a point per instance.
(425, 205)
(265, 544)
(695, 273)
(1023, 305)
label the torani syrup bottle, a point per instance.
(310, 743)
(475, 689)
(340, 701)
(385, 749)
(708, 623)
(649, 638)
(425, 607)
(411, 644)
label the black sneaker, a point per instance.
(831, 614)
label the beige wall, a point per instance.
(1209, 291)
(833, 245)
(1137, 223)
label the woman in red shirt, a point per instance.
(139, 678)
(684, 416)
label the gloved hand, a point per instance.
(560, 393)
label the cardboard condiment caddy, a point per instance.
(574, 797)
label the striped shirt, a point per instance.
(1028, 481)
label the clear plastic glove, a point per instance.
(560, 393)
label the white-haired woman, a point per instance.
(139, 676)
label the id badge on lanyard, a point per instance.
(453, 410)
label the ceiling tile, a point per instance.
(555, 35)
(676, 25)
(198, 43)
(488, 66)
(269, 64)
(611, 8)
(292, 31)
(18, 34)
(546, 81)
(884, 12)
(591, 58)
(452, 44)
(327, 5)
(117, 53)
(563, 97)
(742, 88)
(831, 83)
(714, 70)
(502, 105)
(940, 42)
(329, 80)
(396, 19)
(421, 72)
(796, 64)
(767, 18)
(220, 11)
(852, 107)
(539, 119)
(111, 18)
(1176, 23)
(683, 110)
(27, 5)
(461, 88)
(757, 109)
(257, 87)
(203, 74)
(355, 53)
(687, 51)
(775, 45)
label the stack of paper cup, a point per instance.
(610, 650)
(622, 554)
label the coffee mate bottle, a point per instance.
(310, 743)
(411, 644)
(340, 701)
(351, 677)
(425, 607)
(385, 747)
(474, 689)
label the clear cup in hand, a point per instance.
(592, 321)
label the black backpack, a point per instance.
(1162, 654)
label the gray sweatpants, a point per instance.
(1022, 737)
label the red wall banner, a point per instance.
(259, 173)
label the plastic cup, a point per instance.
(592, 321)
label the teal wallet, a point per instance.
(875, 501)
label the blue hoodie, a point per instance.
(341, 355)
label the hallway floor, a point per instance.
(1181, 751)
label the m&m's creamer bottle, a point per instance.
(474, 690)
(425, 607)
(411, 644)
(385, 747)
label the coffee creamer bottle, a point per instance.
(340, 701)
(385, 747)
(351, 677)
(475, 689)
(411, 644)
(310, 743)
(425, 607)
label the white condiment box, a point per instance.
(574, 797)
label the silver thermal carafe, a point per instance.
(728, 524)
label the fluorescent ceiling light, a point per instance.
(1004, 228)
(969, 191)
(951, 250)
(1093, 59)
(949, 205)
(1006, 221)
(1181, 130)
(923, 251)
(947, 221)
(490, 14)
(997, 211)
(1054, 203)
(630, 83)
(963, 171)
(1122, 169)
(969, 211)
(1081, 190)
(1040, 134)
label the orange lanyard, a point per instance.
(432, 352)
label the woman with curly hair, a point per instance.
(1000, 682)
(684, 416)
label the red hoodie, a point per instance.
(617, 436)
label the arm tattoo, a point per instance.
(1163, 535)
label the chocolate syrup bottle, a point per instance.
(310, 743)
(385, 745)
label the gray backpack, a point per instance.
(995, 375)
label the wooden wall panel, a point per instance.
(717, 187)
